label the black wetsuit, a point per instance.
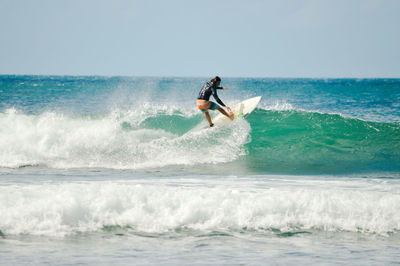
(206, 92)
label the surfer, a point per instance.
(204, 103)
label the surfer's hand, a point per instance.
(227, 108)
(224, 88)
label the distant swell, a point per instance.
(270, 141)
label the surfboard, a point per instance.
(240, 111)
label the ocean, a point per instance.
(115, 170)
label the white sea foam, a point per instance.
(276, 106)
(59, 209)
(62, 141)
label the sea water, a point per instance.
(102, 170)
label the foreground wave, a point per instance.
(160, 206)
(269, 141)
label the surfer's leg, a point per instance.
(225, 113)
(208, 118)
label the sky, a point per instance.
(188, 38)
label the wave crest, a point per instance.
(122, 140)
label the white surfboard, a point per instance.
(240, 111)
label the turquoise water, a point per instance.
(101, 169)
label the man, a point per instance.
(204, 103)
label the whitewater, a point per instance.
(101, 170)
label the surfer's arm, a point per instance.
(215, 95)
(225, 88)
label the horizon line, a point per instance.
(200, 76)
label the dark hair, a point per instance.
(215, 79)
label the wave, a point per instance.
(60, 209)
(319, 142)
(269, 141)
(122, 140)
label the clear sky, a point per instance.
(231, 38)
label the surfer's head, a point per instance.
(216, 80)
